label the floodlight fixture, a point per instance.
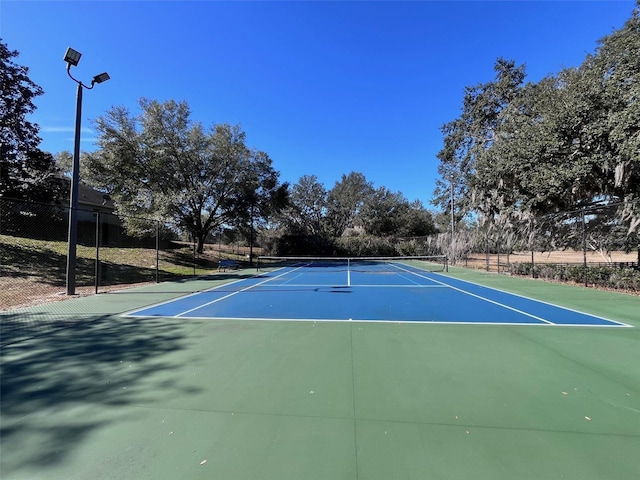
(72, 57)
(103, 77)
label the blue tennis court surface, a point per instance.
(395, 293)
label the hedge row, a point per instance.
(602, 276)
(353, 246)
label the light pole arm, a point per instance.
(76, 80)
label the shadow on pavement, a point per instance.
(92, 365)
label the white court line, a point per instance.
(387, 321)
(526, 298)
(328, 285)
(548, 303)
(233, 293)
(480, 297)
(133, 313)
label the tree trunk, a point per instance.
(201, 236)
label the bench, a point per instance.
(227, 264)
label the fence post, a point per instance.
(498, 247)
(97, 273)
(487, 248)
(533, 274)
(157, 250)
(584, 249)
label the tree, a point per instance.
(64, 163)
(456, 168)
(417, 222)
(259, 197)
(571, 140)
(615, 69)
(384, 212)
(469, 138)
(25, 172)
(308, 206)
(164, 165)
(345, 200)
(521, 153)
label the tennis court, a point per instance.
(317, 370)
(372, 289)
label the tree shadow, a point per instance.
(102, 361)
(45, 265)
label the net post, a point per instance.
(446, 264)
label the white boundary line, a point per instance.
(180, 315)
(621, 324)
(326, 285)
(132, 313)
(482, 298)
(390, 321)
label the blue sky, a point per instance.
(325, 88)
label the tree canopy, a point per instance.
(26, 172)
(163, 164)
(353, 203)
(521, 150)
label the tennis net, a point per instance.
(430, 263)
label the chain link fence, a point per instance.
(591, 246)
(34, 248)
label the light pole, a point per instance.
(453, 255)
(452, 208)
(72, 57)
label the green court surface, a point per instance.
(89, 394)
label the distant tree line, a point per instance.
(353, 217)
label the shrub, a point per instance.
(364, 246)
(608, 276)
